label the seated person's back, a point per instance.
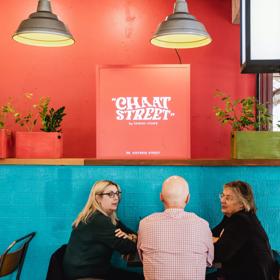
(175, 244)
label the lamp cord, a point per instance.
(179, 57)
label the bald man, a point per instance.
(174, 244)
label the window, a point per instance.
(269, 93)
(276, 101)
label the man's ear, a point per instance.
(161, 197)
(188, 198)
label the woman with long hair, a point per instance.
(96, 233)
(241, 243)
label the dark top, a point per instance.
(91, 245)
(55, 271)
(244, 249)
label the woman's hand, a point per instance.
(215, 239)
(133, 237)
(121, 234)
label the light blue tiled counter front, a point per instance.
(46, 199)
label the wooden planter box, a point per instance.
(6, 143)
(255, 145)
(38, 145)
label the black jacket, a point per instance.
(91, 245)
(244, 249)
(55, 270)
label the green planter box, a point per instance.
(255, 144)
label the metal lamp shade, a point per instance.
(43, 28)
(181, 30)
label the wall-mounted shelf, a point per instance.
(119, 162)
(58, 161)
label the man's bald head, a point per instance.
(175, 192)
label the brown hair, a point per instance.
(244, 192)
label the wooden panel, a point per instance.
(60, 161)
(255, 145)
(191, 162)
(235, 11)
(120, 162)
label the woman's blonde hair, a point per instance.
(92, 204)
(245, 194)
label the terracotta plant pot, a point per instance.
(38, 145)
(6, 143)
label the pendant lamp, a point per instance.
(43, 29)
(181, 30)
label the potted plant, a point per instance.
(249, 122)
(47, 143)
(6, 143)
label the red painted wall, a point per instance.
(118, 32)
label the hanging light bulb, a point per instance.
(181, 30)
(43, 29)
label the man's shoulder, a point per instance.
(185, 215)
(151, 217)
(196, 218)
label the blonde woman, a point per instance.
(241, 243)
(96, 233)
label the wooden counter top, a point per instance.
(34, 161)
(190, 162)
(175, 162)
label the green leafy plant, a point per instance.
(242, 114)
(28, 120)
(4, 112)
(51, 119)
